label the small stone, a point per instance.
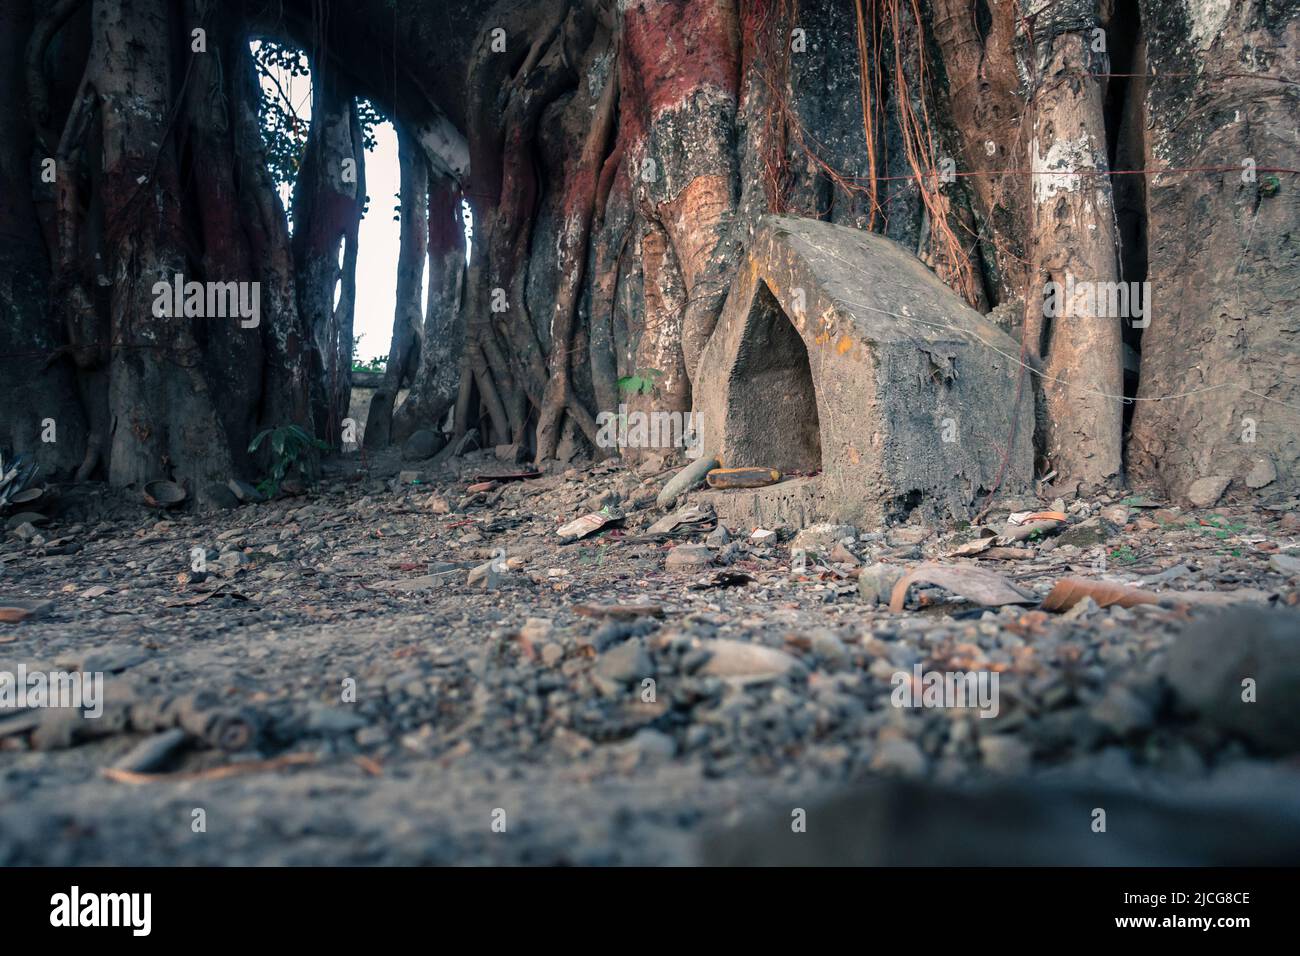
(1285, 564)
(900, 537)
(332, 720)
(372, 736)
(1122, 711)
(842, 555)
(900, 757)
(687, 557)
(1005, 754)
(1116, 514)
(424, 582)
(651, 464)
(572, 744)
(876, 582)
(487, 576)
(221, 497)
(1086, 534)
(552, 654)
(741, 659)
(245, 492)
(829, 647)
(536, 629)
(1240, 672)
(1264, 473)
(822, 537)
(1205, 492)
(625, 662)
(1086, 607)
(422, 444)
(653, 744)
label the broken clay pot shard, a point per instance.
(974, 584)
(1068, 592)
(742, 477)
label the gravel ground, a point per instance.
(427, 674)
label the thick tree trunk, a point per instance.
(571, 261)
(983, 101)
(339, 374)
(326, 209)
(659, 362)
(232, 354)
(437, 379)
(614, 229)
(1220, 373)
(40, 416)
(287, 390)
(164, 419)
(609, 216)
(404, 352)
(681, 76)
(1073, 244)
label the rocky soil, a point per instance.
(410, 665)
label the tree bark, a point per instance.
(404, 352)
(37, 379)
(982, 97)
(326, 209)
(232, 354)
(1073, 244)
(437, 379)
(610, 217)
(1220, 373)
(681, 76)
(571, 261)
(164, 421)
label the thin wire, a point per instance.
(1034, 371)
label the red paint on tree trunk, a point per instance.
(674, 47)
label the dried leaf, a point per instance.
(1070, 591)
(369, 764)
(971, 547)
(11, 612)
(974, 584)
